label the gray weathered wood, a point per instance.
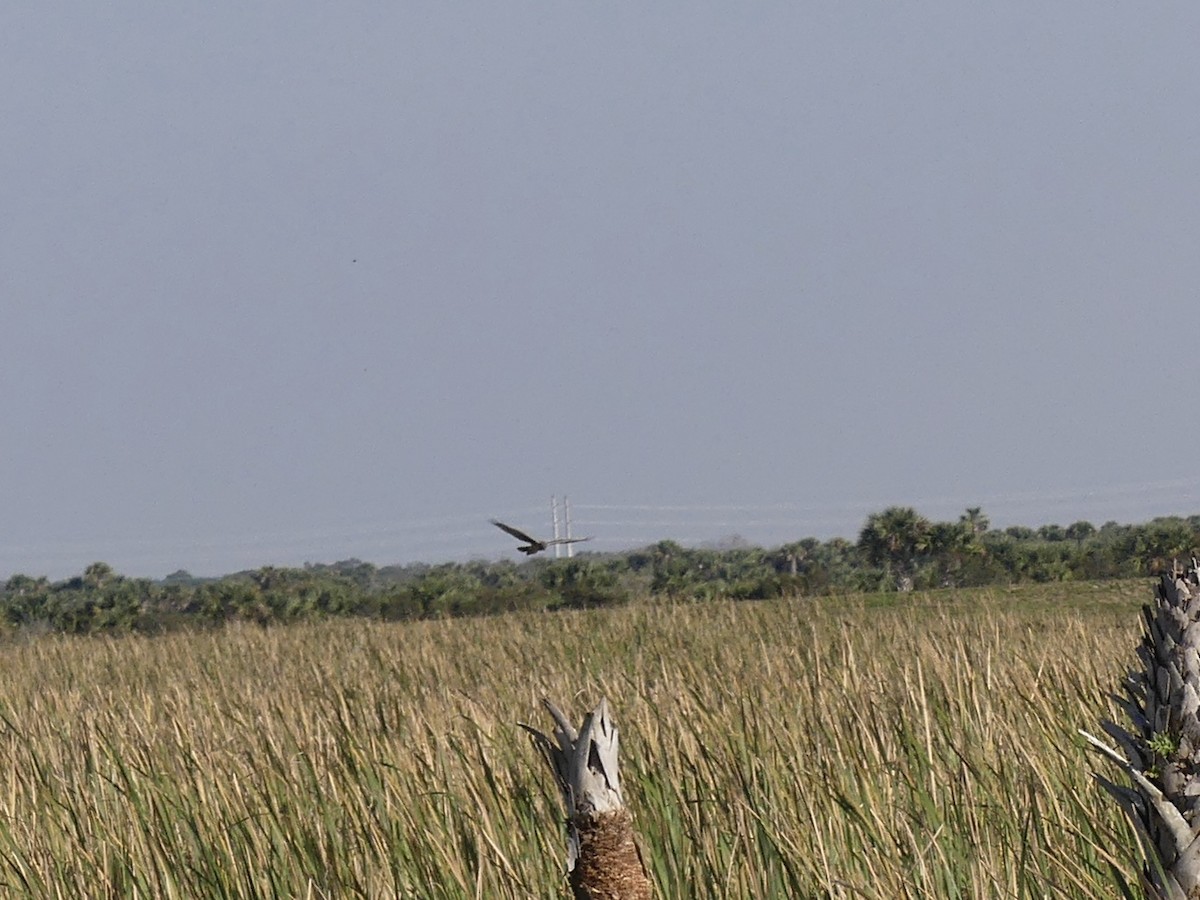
(1160, 752)
(603, 860)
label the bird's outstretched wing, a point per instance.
(518, 534)
(567, 541)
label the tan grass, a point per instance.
(881, 747)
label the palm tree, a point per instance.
(1080, 531)
(975, 520)
(950, 544)
(98, 574)
(1163, 540)
(896, 539)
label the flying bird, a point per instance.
(533, 545)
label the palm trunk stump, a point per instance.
(603, 860)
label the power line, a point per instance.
(614, 525)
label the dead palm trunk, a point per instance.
(603, 860)
(1161, 752)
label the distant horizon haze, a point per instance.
(612, 528)
(287, 284)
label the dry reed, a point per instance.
(916, 747)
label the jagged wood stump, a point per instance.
(1161, 752)
(603, 860)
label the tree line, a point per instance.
(897, 549)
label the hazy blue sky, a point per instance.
(303, 281)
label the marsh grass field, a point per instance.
(884, 746)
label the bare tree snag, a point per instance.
(603, 861)
(1161, 751)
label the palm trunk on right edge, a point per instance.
(1160, 752)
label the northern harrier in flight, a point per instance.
(533, 545)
